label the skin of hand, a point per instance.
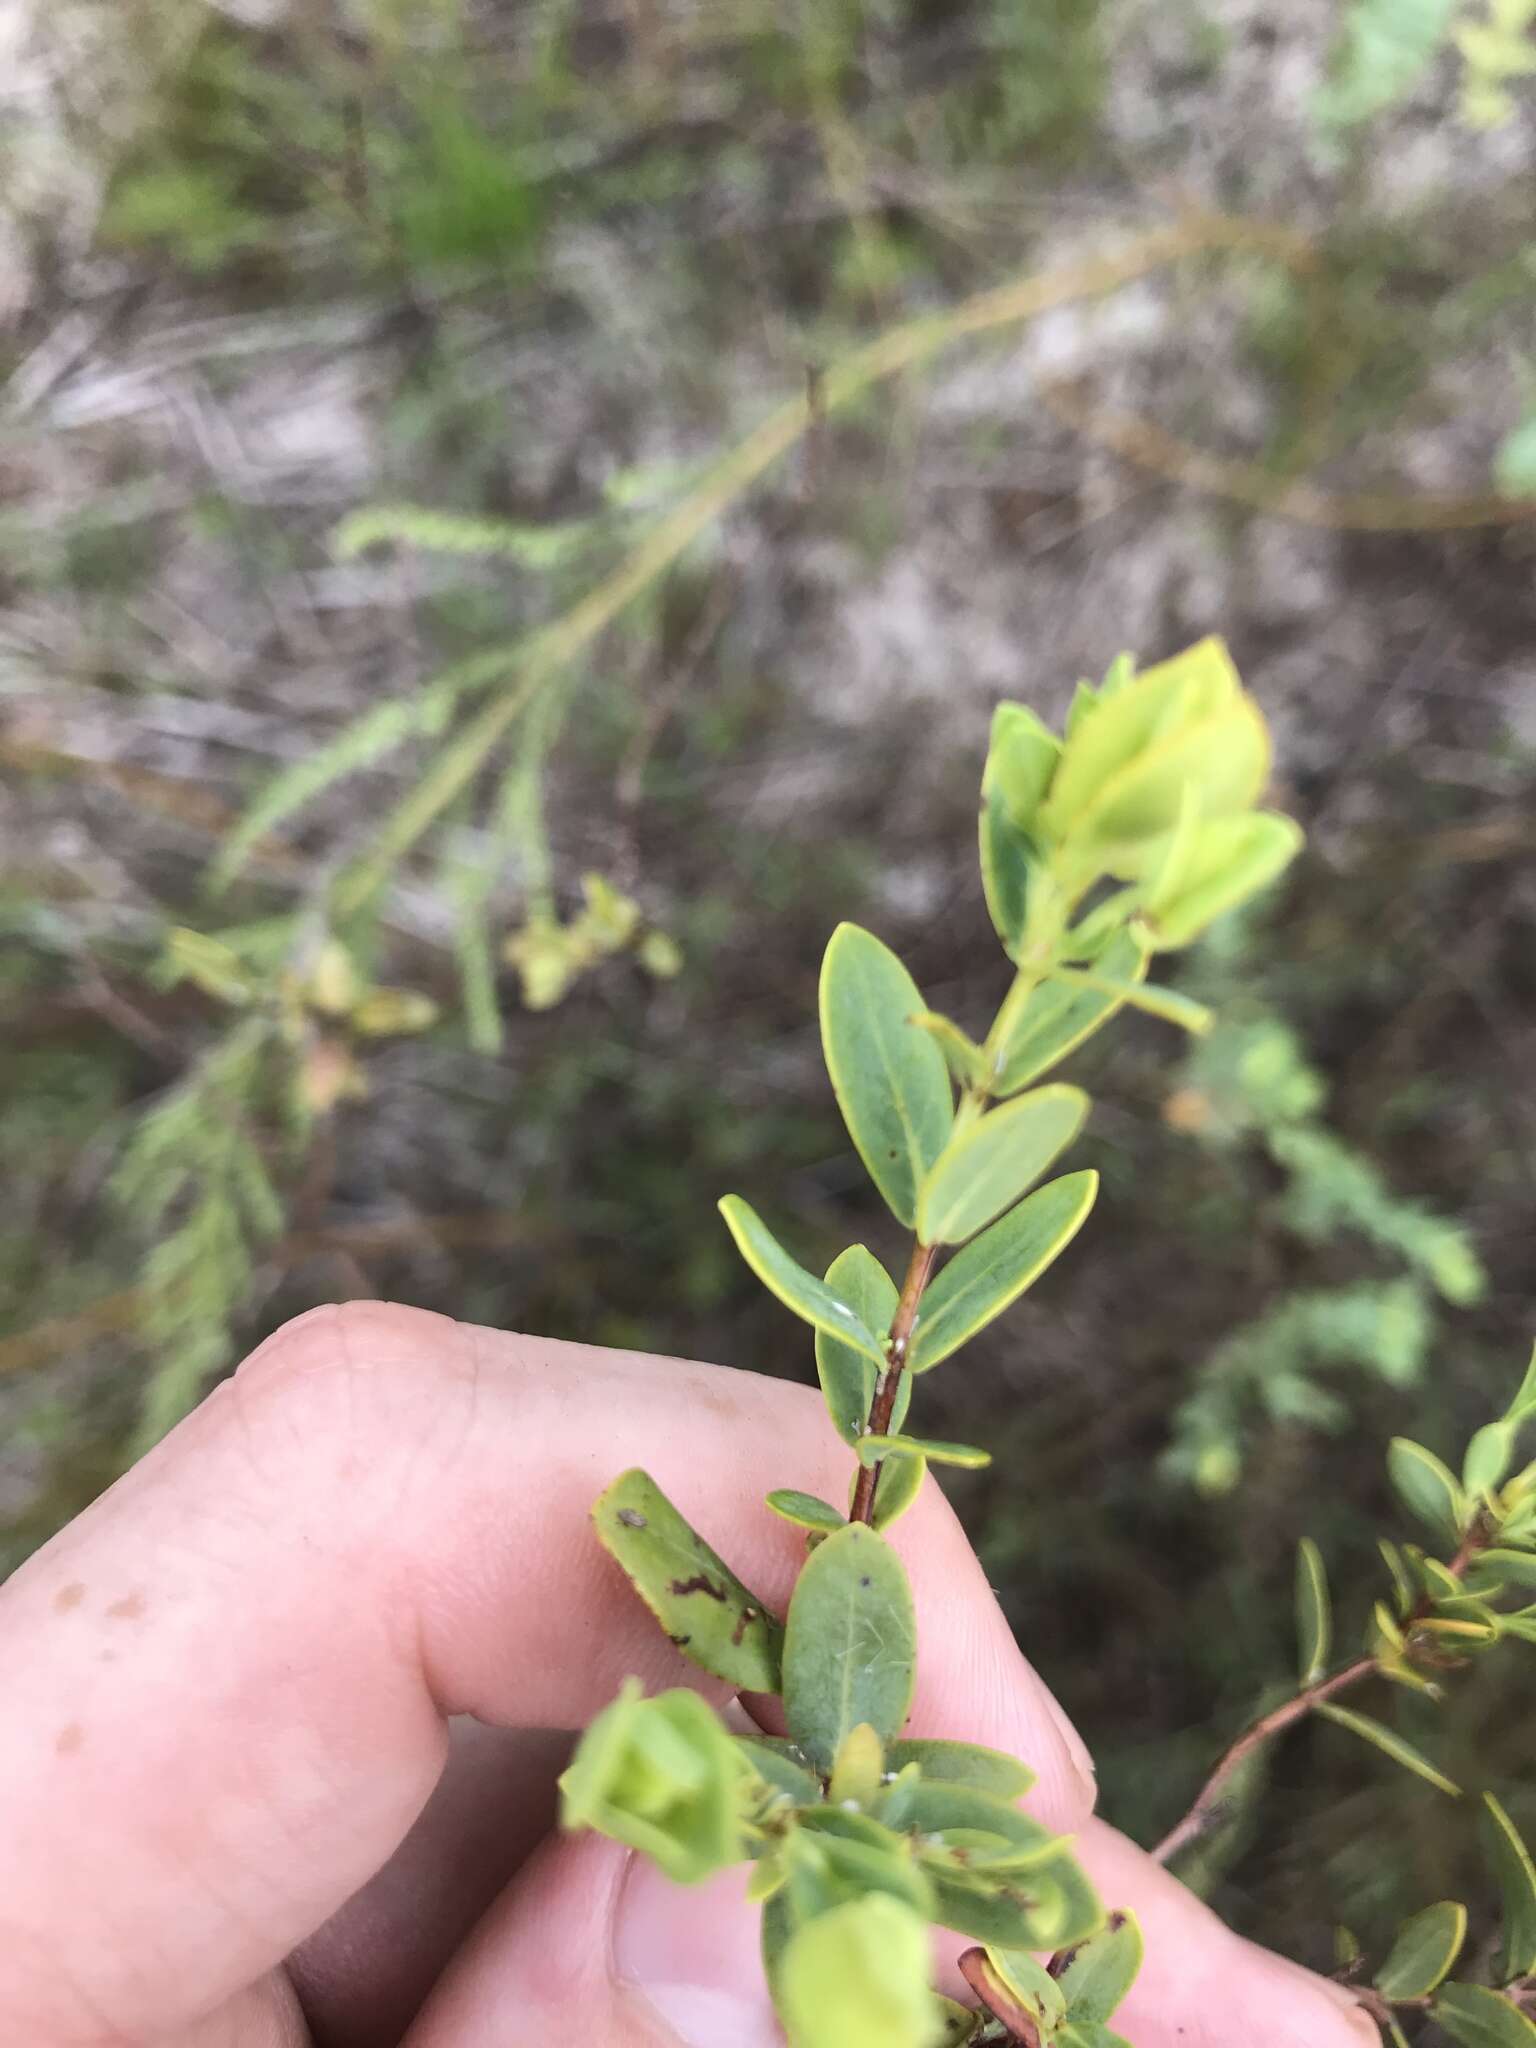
(276, 1730)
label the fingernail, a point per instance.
(1077, 1750)
(690, 1954)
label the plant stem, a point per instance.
(1207, 1809)
(883, 1406)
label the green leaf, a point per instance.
(1047, 1907)
(857, 1977)
(858, 1767)
(805, 1510)
(847, 1374)
(874, 1449)
(1480, 2018)
(1390, 1743)
(986, 1166)
(1524, 1403)
(1058, 1017)
(850, 1644)
(994, 1269)
(964, 1763)
(1402, 1585)
(1424, 1952)
(962, 1055)
(1231, 860)
(1427, 1488)
(1156, 1001)
(838, 1854)
(992, 1832)
(1101, 1972)
(799, 1290)
(1029, 1984)
(663, 1776)
(901, 1481)
(1501, 1567)
(1314, 1614)
(1512, 1866)
(889, 1077)
(782, 1765)
(1489, 1457)
(1021, 759)
(705, 1609)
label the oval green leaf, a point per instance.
(848, 1374)
(994, 1269)
(1427, 1488)
(889, 1076)
(1512, 1866)
(850, 1644)
(805, 1510)
(873, 1450)
(857, 1977)
(964, 1763)
(1489, 1456)
(1101, 1972)
(901, 1481)
(986, 1167)
(1058, 1017)
(1314, 1612)
(704, 1608)
(1391, 1744)
(782, 1765)
(1480, 2018)
(1424, 1952)
(798, 1289)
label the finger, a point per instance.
(1202, 1986)
(228, 1681)
(592, 1945)
(363, 1976)
(586, 1948)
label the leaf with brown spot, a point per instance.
(704, 1608)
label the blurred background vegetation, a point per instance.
(364, 371)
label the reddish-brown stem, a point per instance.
(883, 1406)
(1207, 1809)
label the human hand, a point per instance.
(239, 1807)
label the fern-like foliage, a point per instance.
(1251, 1085)
(195, 1182)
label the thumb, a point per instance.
(594, 1947)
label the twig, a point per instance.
(1207, 1810)
(1149, 446)
(883, 1405)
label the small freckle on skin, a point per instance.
(68, 1596)
(69, 1739)
(127, 1609)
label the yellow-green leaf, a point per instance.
(1424, 1952)
(1512, 1865)
(705, 1609)
(1314, 1615)
(797, 1288)
(857, 1977)
(1480, 2018)
(805, 1510)
(986, 1166)
(994, 1269)
(964, 1763)
(1058, 1016)
(1101, 1972)
(850, 1644)
(1390, 1744)
(848, 1374)
(1427, 1488)
(873, 1450)
(888, 1074)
